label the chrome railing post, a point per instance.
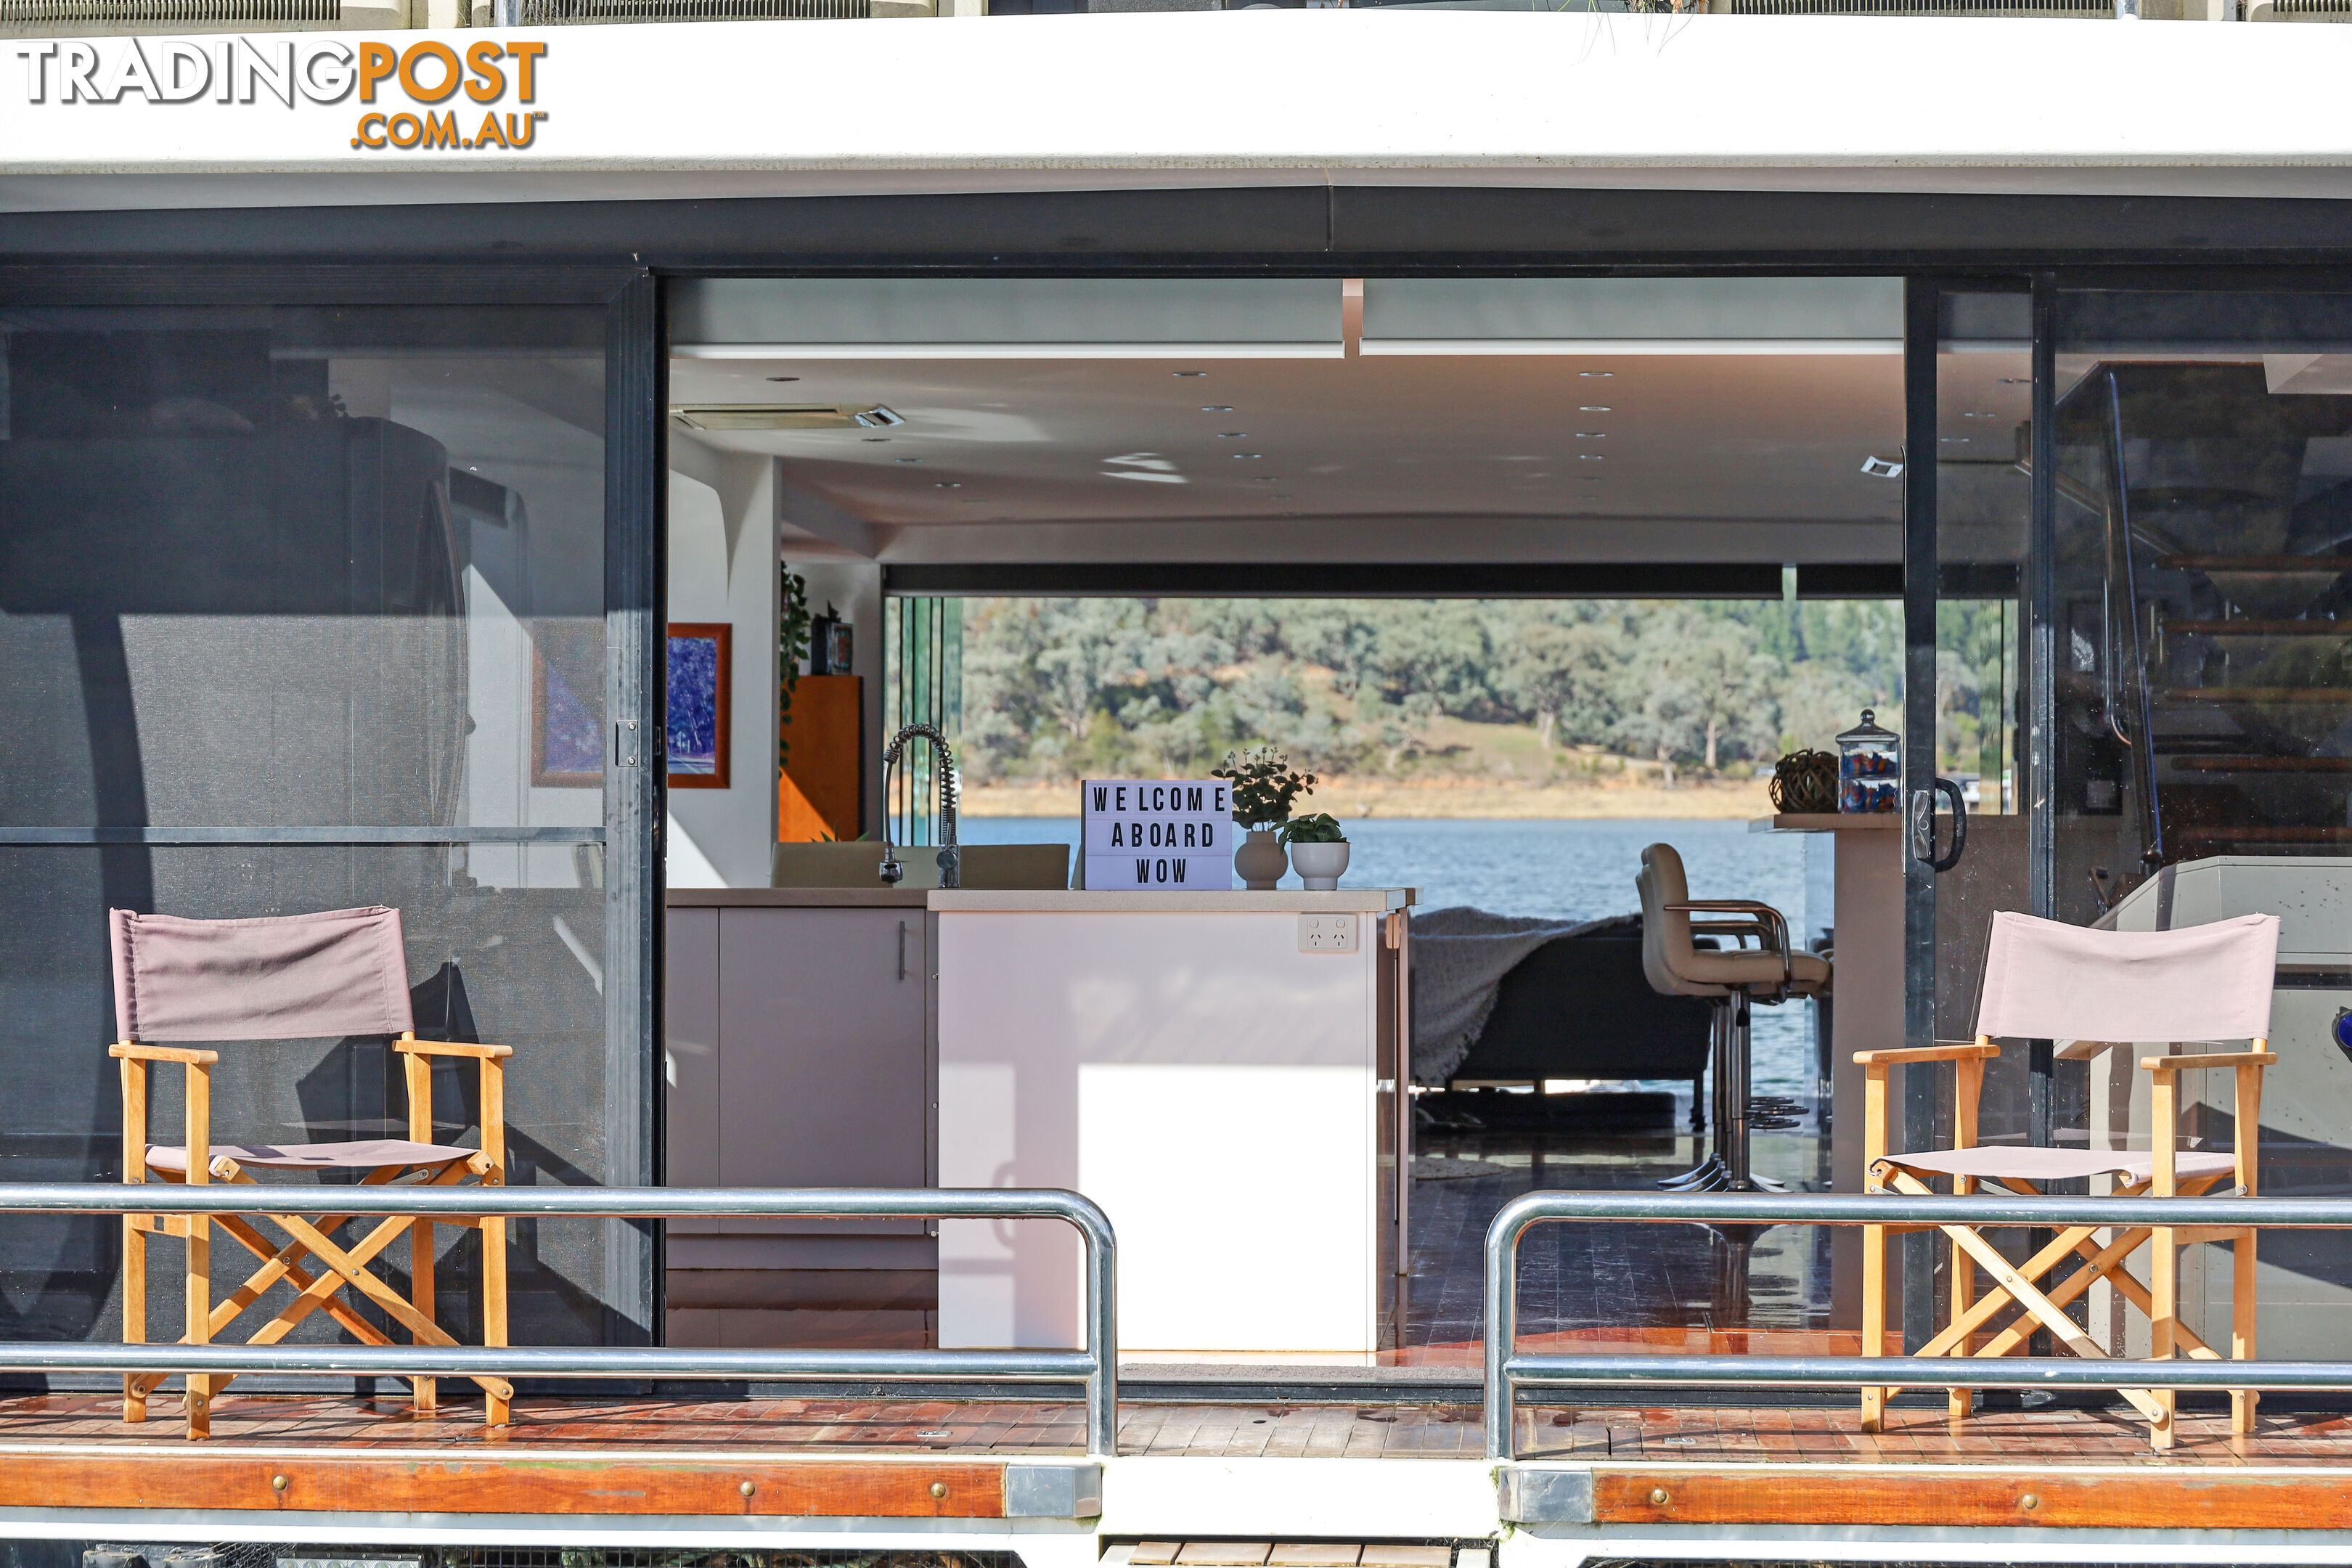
(1503, 1317)
(1102, 1326)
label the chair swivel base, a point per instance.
(1703, 1177)
(1714, 1176)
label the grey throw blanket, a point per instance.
(1459, 959)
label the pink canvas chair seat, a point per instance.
(1996, 1161)
(366, 1155)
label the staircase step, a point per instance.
(2256, 563)
(2242, 765)
(2254, 695)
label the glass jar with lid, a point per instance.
(1870, 767)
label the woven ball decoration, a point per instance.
(1805, 783)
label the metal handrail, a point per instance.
(1505, 1368)
(1096, 1367)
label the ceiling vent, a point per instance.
(784, 416)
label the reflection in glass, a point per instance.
(2204, 513)
(337, 569)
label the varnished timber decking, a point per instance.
(875, 1459)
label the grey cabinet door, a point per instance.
(690, 1043)
(822, 1079)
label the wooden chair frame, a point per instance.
(340, 1267)
(2018, 1285)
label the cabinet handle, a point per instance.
(902, 949)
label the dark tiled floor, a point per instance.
(744, 1428)
(1581, 1281)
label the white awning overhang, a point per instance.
(1207, 100)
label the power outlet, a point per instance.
(1327, 933)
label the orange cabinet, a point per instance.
(821, 792)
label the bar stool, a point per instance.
(1732, 982)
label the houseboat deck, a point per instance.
(1807, 1465)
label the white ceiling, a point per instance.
(1651, 455)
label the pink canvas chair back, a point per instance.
(286, 977)
(2047, 981)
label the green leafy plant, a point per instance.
(1316, 827)
(792, 629)
(1265, 786)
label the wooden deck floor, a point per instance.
(556, 1429)
(845, 1458)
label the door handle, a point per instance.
(1923, 826)
(902, 949)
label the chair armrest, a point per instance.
(1756, 929)
(451, 1049)
(134, 1051)
(1765, 915)
(2210, 1059)
(1955, 1052)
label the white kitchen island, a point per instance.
(1225, 1094)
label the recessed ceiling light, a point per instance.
(1247, 457)
(1596, 374)
(1592, 434)
(1187, 375)
(1974, 415)
(947, 484)
(1591, 457)
(1594, 408)
(1232, 435)
(2017, 381)
(784, 378)
(1962, 440)
(1216, 408)
(910, 459)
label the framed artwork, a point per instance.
(701, 673)
(829, 646)
(567, 704)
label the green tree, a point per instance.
(1566, 671)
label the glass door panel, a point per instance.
(2202, 610)
(1984, 407)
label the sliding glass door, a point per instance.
(307, 607)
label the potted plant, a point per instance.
(1264, 787)
(1318, 849)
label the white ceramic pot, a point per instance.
(1319, 865)
(1260, 861)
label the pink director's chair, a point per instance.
(339, 972)
(2047, 981)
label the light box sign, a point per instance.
(1163, 835)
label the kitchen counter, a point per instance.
(1178, 1061)
(1219, 1076)
(1281, 901)
(1867, 1014)
(796, 898)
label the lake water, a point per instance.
(1571, 870)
